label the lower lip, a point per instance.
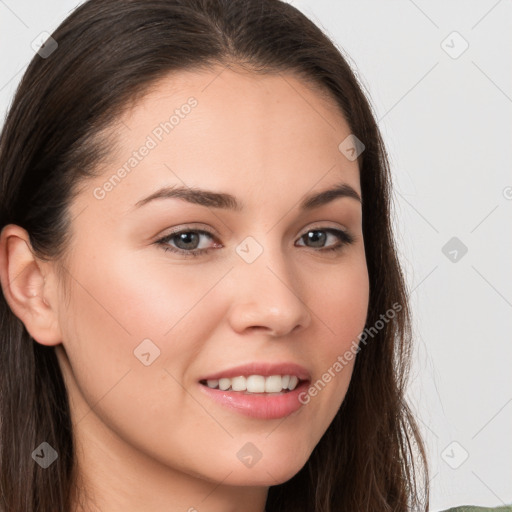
(267, 406)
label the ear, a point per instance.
(27, 286)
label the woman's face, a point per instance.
(147, 323)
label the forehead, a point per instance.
(237, 103)
(220, 83)
(220, 128)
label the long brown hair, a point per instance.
(109, 53)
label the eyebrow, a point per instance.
(226, 201)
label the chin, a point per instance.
(264, 474)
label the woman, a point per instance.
(202, 305)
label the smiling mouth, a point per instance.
(255, 384)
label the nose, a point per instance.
(267, 297)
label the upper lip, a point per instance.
(261, 368)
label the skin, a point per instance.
(147, 437)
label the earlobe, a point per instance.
(24, 285)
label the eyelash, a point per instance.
(345, 238)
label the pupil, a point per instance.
(186, 237)
(313, 236)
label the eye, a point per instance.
(186, 242)
(318, 237)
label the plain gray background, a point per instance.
(445, 113)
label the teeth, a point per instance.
(293, 382)
(238, 383)
(224, 384)
(256, 383)
(273, 384)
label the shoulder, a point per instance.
(471, 508)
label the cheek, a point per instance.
(109, 315)
(340, 302)
(124, 299)
(113, 308)
(135, 297)
(340, 305)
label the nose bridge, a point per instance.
(267, 291)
